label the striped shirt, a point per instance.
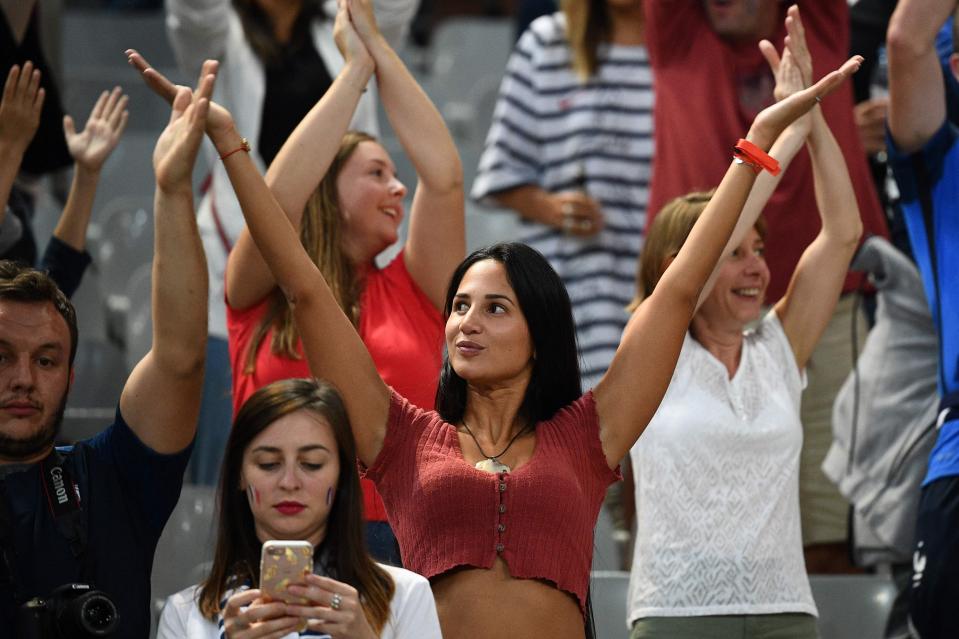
(554, 131)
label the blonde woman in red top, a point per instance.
(482, 493)
(340, 190)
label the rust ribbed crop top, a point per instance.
(539, 518)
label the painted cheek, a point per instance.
(329, 495)
(253, 495)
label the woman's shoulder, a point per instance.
(769, 333)
(181, 617)
(544, 32)
(184, 598)
(403, 578)
(413, 609)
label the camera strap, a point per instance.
(63, 498)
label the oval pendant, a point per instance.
(492, 465)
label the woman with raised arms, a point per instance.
(341, 191)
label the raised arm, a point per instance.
(816, 283)
(19, 118)
(333, 348)
(789, 80)
(161, 399)
(90, 150)
(436, 242)
(300, 165)
(917, 99)
(630, 392)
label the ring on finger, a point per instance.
(336, 601)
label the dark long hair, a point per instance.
(542, 297)
(236, 559)
(258, 28)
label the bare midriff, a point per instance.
(490, 604)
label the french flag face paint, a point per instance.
(253, 495)
(329, 495)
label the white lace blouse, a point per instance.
(717, 487)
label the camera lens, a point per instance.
(99, 614)
(91, 614)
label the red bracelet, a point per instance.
(751, 155)
(244, 146)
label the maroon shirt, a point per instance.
(709, 90)
(539, 518)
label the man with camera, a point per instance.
(87, 517)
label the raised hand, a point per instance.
(792, 71)
(347, 39)
(772, 120)
(20, 107)
(102, 132)
(218, 120)
(177, 147)
(363, 19)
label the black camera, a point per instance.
(72, 611)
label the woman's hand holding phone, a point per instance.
(248, 616)
(334, 608)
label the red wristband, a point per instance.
(244, 146)
(748, 153)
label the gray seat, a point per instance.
(608, 597)
(852, 605)
(138, 328)
(470, 57)
(186, 543)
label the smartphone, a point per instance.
(283, 563)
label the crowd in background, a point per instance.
(742, 350)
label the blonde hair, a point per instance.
(587, 27)
(667, 235)
(321, 233)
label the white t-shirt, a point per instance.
(412, 612)
(717, 487)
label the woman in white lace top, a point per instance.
(718, 546)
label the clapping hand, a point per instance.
(177, 147)
(772, 120)
(218, 120)
(363, 19)
(347, 39)
(102, 132)
(793, 70)
(20, 107)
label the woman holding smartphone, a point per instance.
(289, 473)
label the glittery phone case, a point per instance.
(283, 563)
